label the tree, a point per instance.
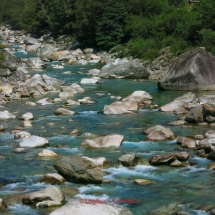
(110, 28)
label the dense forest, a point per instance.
(141, 26)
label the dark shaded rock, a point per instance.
(193, 70)
(76, 169)
(195, 115)
(129, 70)
(211, 155)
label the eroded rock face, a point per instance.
(50, 196)
(77, 169)
(193, 70)
(129, 70)
(159, 132)
(79, 207)
(111, 140)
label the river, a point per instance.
(189, 187)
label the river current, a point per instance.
(189, 187)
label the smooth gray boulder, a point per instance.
(130, 70)
(193, 70)
(79, 170)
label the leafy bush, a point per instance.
(207, 40)
(146, 49)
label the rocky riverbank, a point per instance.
(82, 168)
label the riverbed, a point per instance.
(190, 187)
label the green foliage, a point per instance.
(145, 26)
(207, 40)
(146, 49)
(109, 29)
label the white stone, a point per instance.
(34, 141)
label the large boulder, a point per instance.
(193, 70)
(159, 133)
(111, 140)
(130, 70)
(91, 207)
(77, 169)
(50, 196)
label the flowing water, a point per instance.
(190, 187)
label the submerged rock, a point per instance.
(77, 169)
(111, 140)
(48, 197)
